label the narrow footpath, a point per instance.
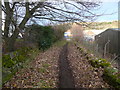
(59, 67)
(65, 74)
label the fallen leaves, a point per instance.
(84, 74)
(42, 72)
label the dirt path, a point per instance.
(59, 67)
(65, 74)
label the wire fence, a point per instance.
(99, 52)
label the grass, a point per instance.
(8, 76)
(32, 56)
(60, 43)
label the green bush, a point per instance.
(110, 70)
(94, 63)
(20, 55)
(104, 63)
(7, 61)
(15, 60)
(43, 35)
(111, 76)
(17, 57)
(100, 63)
(47, 38)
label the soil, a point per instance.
(65, 74)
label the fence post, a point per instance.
(106, 47)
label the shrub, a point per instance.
(43, 35)
(94, 63)
(111, 76)
(15, 60)
(100, 63)
(17, 57)
(7, 61)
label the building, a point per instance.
(109, 41)
(90, 34)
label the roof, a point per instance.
(118, 29)
(113, 29)
(90, 33)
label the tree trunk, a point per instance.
(9, 45)
(10, 41)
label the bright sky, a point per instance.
(108, 8)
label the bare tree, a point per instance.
(18, 14)
(77, 31)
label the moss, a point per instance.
(94, 63)
(110, 74)
(105, 64)
(100, 63)
(110, 70)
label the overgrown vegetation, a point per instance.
(110, 74)
(36, 37)
(100, 63)
(44, 36)
(13, 61)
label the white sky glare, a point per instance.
(108, 6)
(67, 0)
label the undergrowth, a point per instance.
(110, 74)
(13, 61)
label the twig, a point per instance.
(114, 58)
